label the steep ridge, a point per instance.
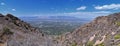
(103, 31)
(15, 32)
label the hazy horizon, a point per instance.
(75, 8)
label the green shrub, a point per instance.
(90, 43)
(102, 44)
(7, 30)
(74, 44)
(117, 36)
(118, 45)
(117, 23)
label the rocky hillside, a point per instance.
(103, 31)
(15, 32)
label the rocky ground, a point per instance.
(15, 32)
(103, 31)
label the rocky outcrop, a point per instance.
(103, 31)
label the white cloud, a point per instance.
(13, 9)
(2, 3)
(81, 8)
(108, 7)
(88, 14)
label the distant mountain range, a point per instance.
(55, 18)
(55, 24)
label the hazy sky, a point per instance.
(81, 8)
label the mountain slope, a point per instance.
(15, 32)
(103, 31)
